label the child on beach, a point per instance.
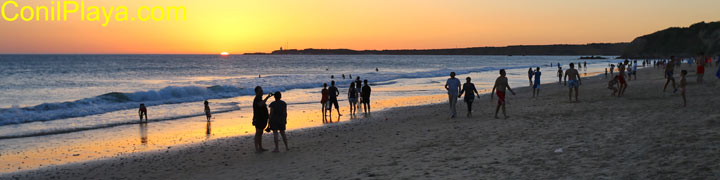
(530, 75)
(207, 110)
(366, 96)
(683, 83)
(352, 98)
(574, 81)
(611, 85)
(560, 75)
(536, 84)
(278, 120)
(469, 89)
(324, 100)
(142, 111)
(501, 83)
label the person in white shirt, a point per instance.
(453, 87)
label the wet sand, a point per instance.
(646, 134)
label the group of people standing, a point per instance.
(357, 92)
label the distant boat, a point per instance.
(592, 57)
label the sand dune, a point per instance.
(645, 135)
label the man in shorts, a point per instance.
(366, 96)
(573, 81)
(501, 83)
(669, 68)
(701, 60)
(333, 93)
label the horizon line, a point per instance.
(297, 49)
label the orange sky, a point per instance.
(239, 26)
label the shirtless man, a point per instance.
(574, 81)
(501, 83)
(669, 68)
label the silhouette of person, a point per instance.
(278, 120)
(207, 110)
(260, 117)
(142, 111)
(366, 96)
(333, 93)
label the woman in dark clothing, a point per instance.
(260, 117)
(278, 120)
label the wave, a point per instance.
(101, 126)
(115, 101)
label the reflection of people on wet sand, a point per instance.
(501, 83)
(278, 120)
(207, 110)
(207, 129)
(260, 117)
(142, 111)
(143, 133)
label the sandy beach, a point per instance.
(646, 134)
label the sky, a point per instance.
(242, 26)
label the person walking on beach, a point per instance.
(260, 117)
(278, 120)
(606, 73)
(634, 69)
(366, 96)
(501, 83)
(333, 94)
(452, 85)
(683, 83)
(622, 84)
(585, 64)
(207, 110)
(560, 75)
(530, 75)
(612, 69)
(324, 100)
(574, 81)
(536, 84)
(143, 111)
(700, 71)
(469, 89)
(669, 68)
(352, 98)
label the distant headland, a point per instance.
(608, 49)
(689, 41)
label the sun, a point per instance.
(224, 53)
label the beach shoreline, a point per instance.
(544, 138)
